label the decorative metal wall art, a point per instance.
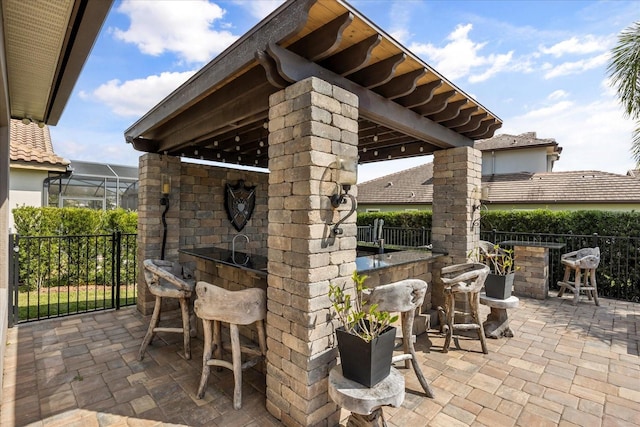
(239, 201)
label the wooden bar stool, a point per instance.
(583, 264)
(168, 279)
(405, 297)
(216, 305)
(466, 279)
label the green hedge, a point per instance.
(50, 221)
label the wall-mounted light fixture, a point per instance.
(345, 175)
(29, 120)
(165, 189)
(480, 195)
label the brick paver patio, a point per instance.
(566, 365)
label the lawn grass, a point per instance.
(53, 302)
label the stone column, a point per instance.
(150, 227)
(311, 124)
(457, 174)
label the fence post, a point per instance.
(594, 240)
(117, 237)
(14, 275)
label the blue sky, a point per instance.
(539, 65)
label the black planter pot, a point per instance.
(367, 363)
(499, 287)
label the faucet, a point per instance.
(233, 249)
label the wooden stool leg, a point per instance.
(262, 337)
(449, 312)
(474, 302)
(577, 282)
(217, 342)
(153, 323)
(407, 343)
(565, 279)
(186, 332)
(595, 286)
(206, 356)
(236, 354)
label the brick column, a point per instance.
(457, 174)
(150, 228)
(311, 123)
(532, 274)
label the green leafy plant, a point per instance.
(359, 318)
(499, 259)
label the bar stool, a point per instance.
(245, 307)
(168, 279)
(466, 279)
(405, 296)
(583, 264)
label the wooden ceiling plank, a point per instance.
(379, 73)
(421, 95)
(488, 132)
(451, 112)
(371, 105)
(401, 85)
(482, 129)
(438, 103)
(352, 58)
(474, 123)
(462, 119)
(323, 41)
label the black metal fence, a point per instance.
(618, 274)
(56, 276)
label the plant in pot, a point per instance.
(499, 283)
(366, 337)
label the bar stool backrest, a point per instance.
(242, 307)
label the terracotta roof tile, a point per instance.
(415, 185)
(31, 143)
(507, 142)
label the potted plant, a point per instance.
(366, 337)
(499, 283)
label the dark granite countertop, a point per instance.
(253, 263)
(391, 259)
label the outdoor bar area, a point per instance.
(250, 169)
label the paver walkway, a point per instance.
(566, 365)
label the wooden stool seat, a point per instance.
(583, 264)
(216, 305)
(168, 279)
(468, 280)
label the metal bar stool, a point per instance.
(168, 279)
(405, 297)
(216, 305)
(583, 264)
(466, 279)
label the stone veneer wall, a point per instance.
(196, 215)
(311, 123)
(532, 273)
(457, 174)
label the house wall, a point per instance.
(511, 161)
(4, 246)
(620, 207)
(25, 189)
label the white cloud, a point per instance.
(557, 94)
(259, 8)
(589, 44)
(576, 67)
(461, 57)
(171, 26)
(134, 98)
(584, 131)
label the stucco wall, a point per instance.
(25, 190)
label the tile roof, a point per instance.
(524, 140)
(32, 144)
(415, 185)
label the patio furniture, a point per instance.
(497, 323)
(583, 264)
(364, 403)
(216, 305)
(466, 280)
(168, 279)
(405, 296)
